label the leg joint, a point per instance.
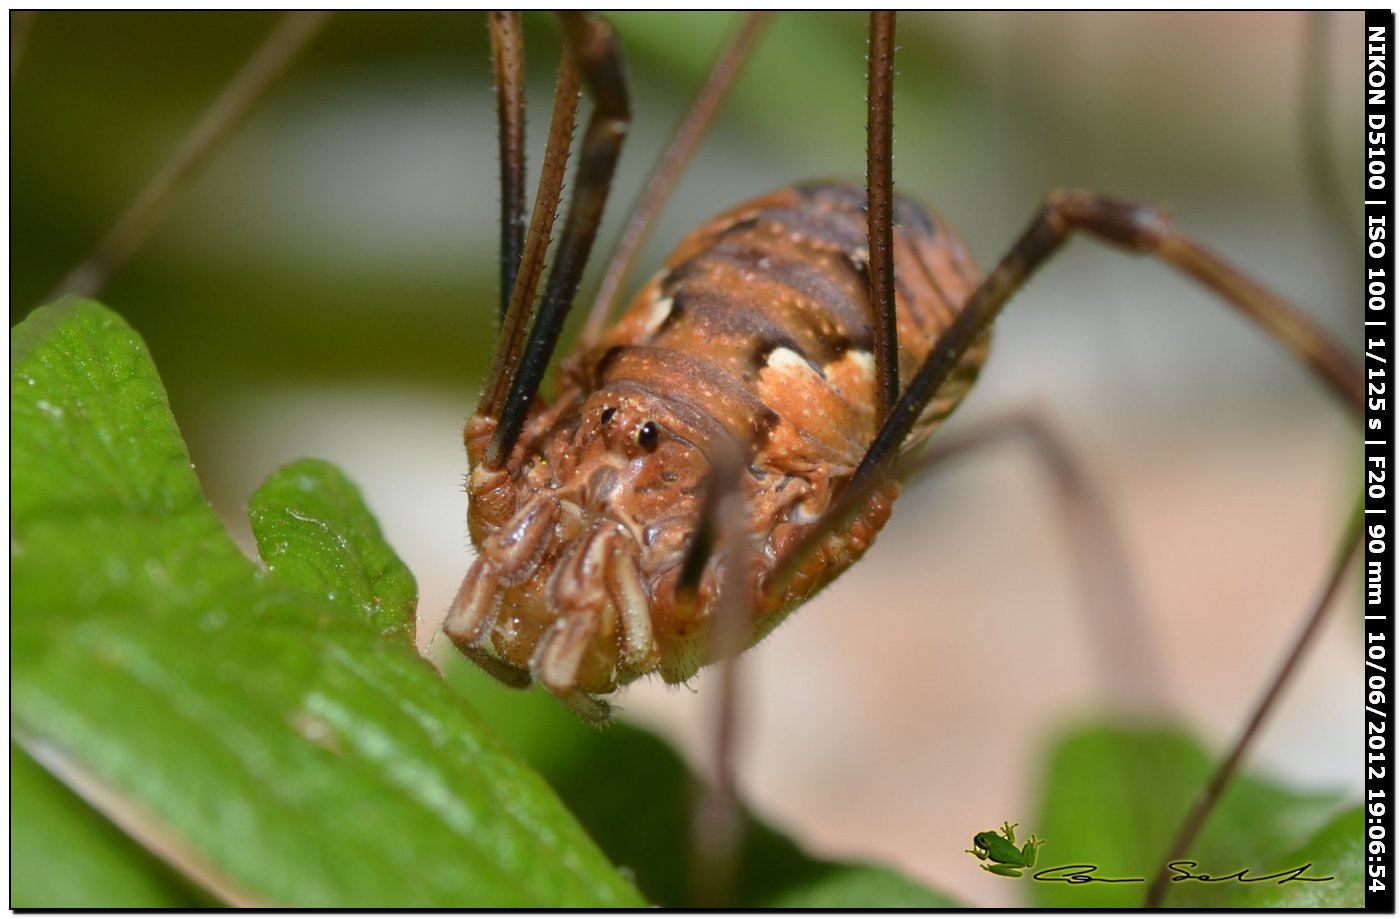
(1140, 227)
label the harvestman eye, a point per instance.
(648, 435)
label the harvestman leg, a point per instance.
(879, 196)
(525, 268)
(1115, 616)
(508, 60)
(716, 824)
(717, 819)
(1348, 549)
(592, 47)
(1116, 623)
(216, 124)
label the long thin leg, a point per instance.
(717, 823)
(508, 59)
(879, 191)
(1116, 620)
(522, 296)
(718, 819)
(1139, 228)
(702, 545)
(268, 62)
(593, 45)
(662, 181)
(1205, 802)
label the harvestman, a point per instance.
(732, 443)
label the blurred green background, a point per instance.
(327, 288)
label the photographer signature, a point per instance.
(1181, 871)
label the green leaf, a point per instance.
(276, 744)
(64, 854)
(1337, 850)
(313, 530)
(1116, 796)
(855, 886)
(635, 795)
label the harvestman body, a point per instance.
(757, 334)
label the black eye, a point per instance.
(647, 435)
(608, 414)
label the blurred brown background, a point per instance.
(327, 288)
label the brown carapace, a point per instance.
(756, 337)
